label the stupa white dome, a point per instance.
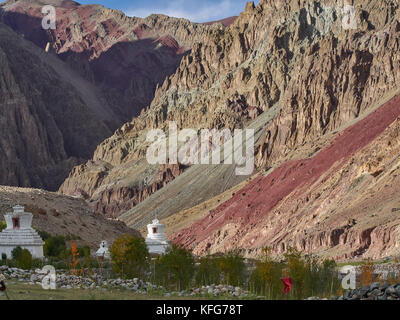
(156, 240)
(19, 232)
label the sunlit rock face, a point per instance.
(19, 232)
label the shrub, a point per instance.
(54, 246)
(3, 225)
(84, 251)
(130, 256)
(175, 268)
(232, 267)
(24, 260)
(16, 252)
(44, 235)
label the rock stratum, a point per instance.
(331, 156)
(51, 118)
(126, 57)
(324, 99)
(102, 68)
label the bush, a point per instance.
(24, 260)
(44, 235)
(232, 267)
(84, 251)
(175, 268)
(22, 257)
(55, 246)
(130, 257)
(16, 252)
(3, 225)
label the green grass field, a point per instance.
(22, 291)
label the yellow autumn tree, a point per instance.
(367, 273)
(129, 256)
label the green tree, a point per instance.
(297, 270)
(208, 271)
(130, 256)
(232, 267)
(175, 268)
(311, 277)
(3, 225)
(266, 277)
(54, 246)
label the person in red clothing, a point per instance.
(287, 281)
(287, 284)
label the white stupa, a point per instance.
(103, 250)
(156, 241)
(19, 232)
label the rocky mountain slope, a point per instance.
(326, 82)
(343, 202)
(319, 204)
(50, 117)
(126, 57)
(60, 215)
(56, 111)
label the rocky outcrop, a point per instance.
(259, 62)
(355, 69)
(298, 57)
(338, 203)
(122, 195)
(126, 57)
(63, 110)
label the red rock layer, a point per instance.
(254, 203)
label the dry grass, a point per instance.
(22, 291)
(186, 218)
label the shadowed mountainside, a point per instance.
(50, 117)
(126, 57)
(102, 68)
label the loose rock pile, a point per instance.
(65, 280)
(68, 281)
(215, 291)
(376, 291)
